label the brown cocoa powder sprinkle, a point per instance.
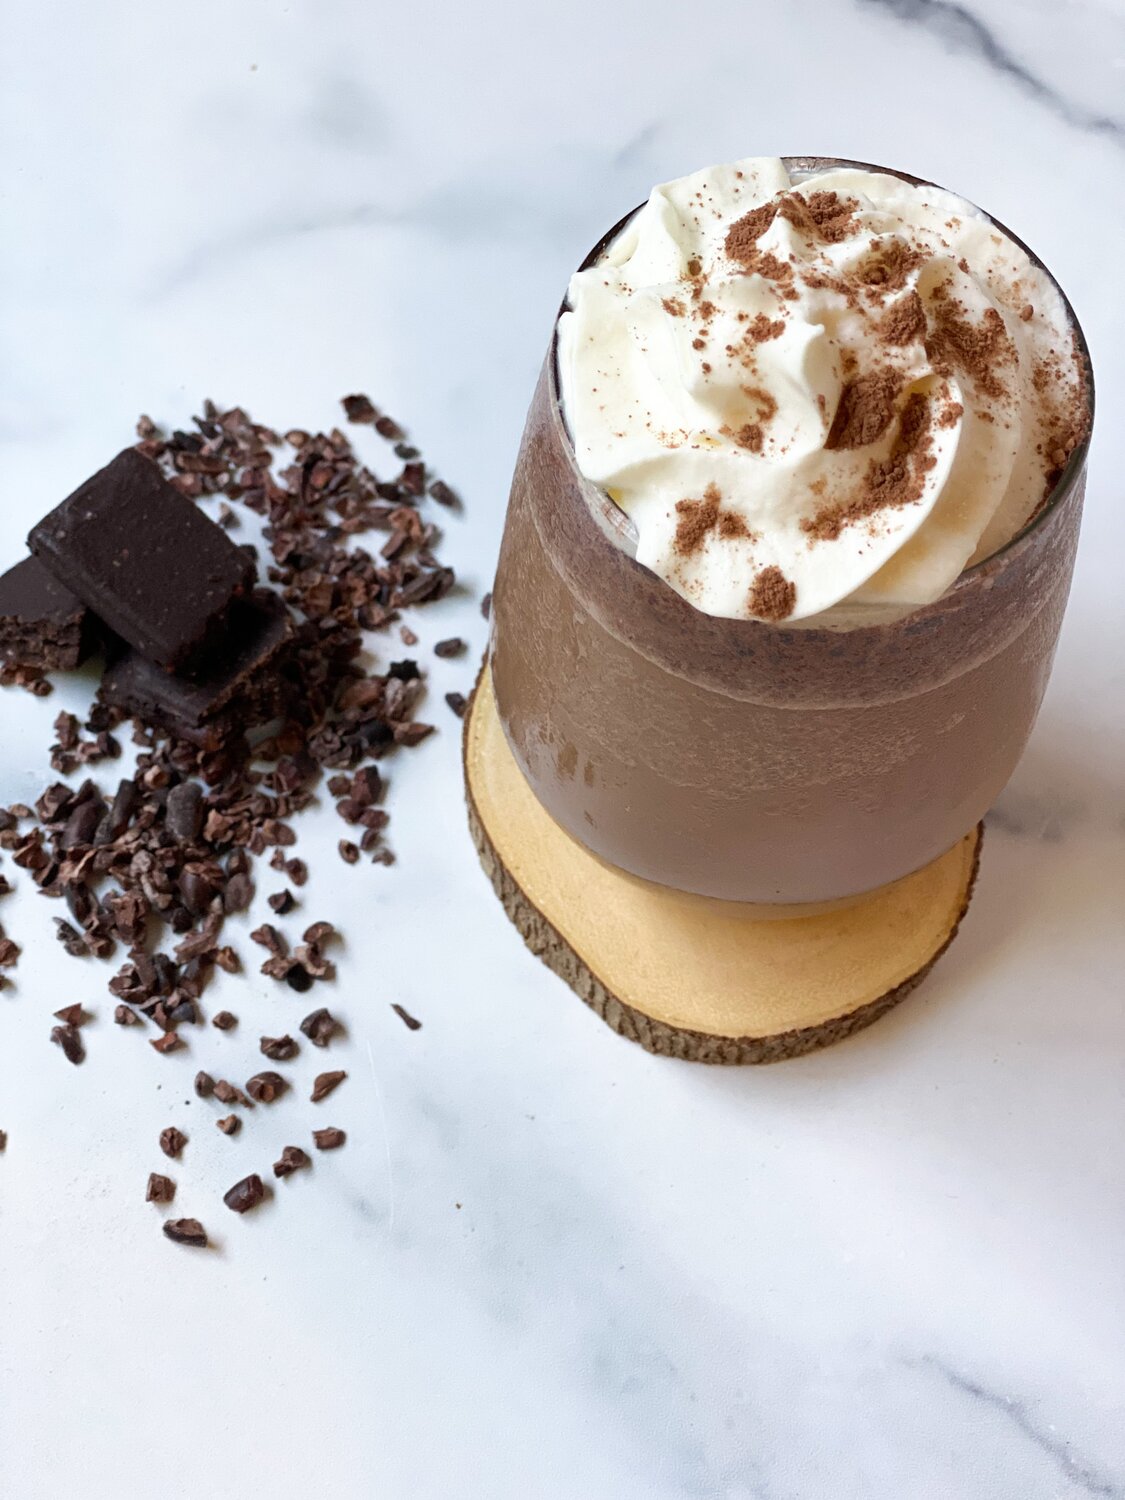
(763, 401)
(697, 518)
(741, 243)
(773, 596)
(950, 414)
(1027, 312)
(750, 437)
(866, 409)
(888, 265)
(904, 322)
(763, 329)
(979, 350)
(889, 483)
(673, 307)
(732, 526)
(821, 216)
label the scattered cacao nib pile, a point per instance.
(245, 696)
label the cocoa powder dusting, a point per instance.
(762, 329)
(866, 409)
(889, 264)
(697, 518)
(904, 321)
(750, 436)
(741, 243)
(889, 483)
(673, 307)
(773, 596)
(978, 349)
(732, 527)
(821, 216)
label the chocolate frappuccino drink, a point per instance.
(791, 532)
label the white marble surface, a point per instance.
(548, 1266)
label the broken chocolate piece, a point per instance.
(279, 1048)
(329, 1139)
(204, 1085)
(325, 1083)
(240, 687)
(42, 624)
(264, 1088)
(186, 1232)
(291, 1160)
(160, 1189)
(404, 1015)
(146, 560)
(246, 1194)
(68, 1038)
(229, 1124)
(320, 1026)
(71, 1015)
(172, 1141)
(225, 1021)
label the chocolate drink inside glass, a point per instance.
(784, 757)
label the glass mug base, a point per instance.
(689, 976)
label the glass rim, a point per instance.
(810, 166)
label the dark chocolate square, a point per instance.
(146, 560)
(42, 624)
(242, 687)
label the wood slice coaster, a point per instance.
(685, 976)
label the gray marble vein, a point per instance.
(1077, 1469)
(962, 31)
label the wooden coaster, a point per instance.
(685, 976)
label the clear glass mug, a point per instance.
(750, 761)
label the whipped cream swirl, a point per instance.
(821, 399)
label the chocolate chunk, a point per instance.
(42, 624)
(146, 560)
(169, 1042)
(329, 1139)
(357, 408)
(239, 687)
(279, 1048)
(204, 1085)
(72, 1015)
(291, 1160)
(405, 1015)
(229, 1124)
(486, 606)
(237, 896)
(264, 1088)
(282, 903)
(68, 1038)
(160, 1189)
(298, 978)
(4, 1143)
(444, 495)
(349, 852)
(325, 1083)
(224, 1021)
(172, 1141)
(458, 703)
(186, 1232)
(451, 647)
(320, 1026)
(183, 812)
(246, 1194)
(126, 1017)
